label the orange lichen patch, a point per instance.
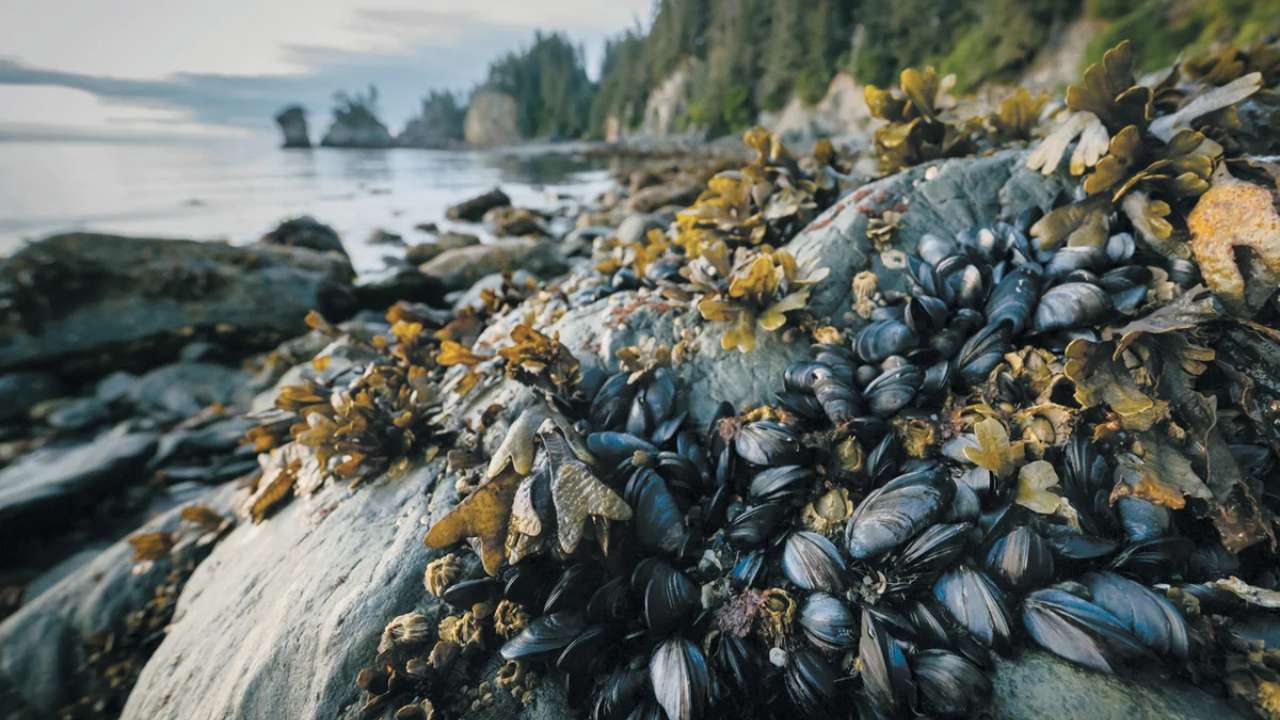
(1235, 215)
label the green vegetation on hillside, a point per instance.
(549, 83)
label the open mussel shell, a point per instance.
(779, 484)
(829, 622)
(879, 340)
(1071, 305)
(544, 637)
(681, 679)
(896, 512)
(767, 443)
(949, 685)
(1151, 618)
(812, 562)
(1020, 560)
(1077, 630)
(885, 673)
(811, 683)
(974, 601)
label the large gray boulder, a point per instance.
(87, 303)
(24, 390)
(283, 615)
(43, 655)
(49, 486)
(459, 268)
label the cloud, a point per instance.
(417, 50)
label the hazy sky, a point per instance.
(142, 67)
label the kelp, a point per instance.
(918, 127)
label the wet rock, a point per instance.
(352, 560)
(307, 232)
(293, 126)
(677, 192)
(24, 390)
(385, 237)
(358, 129)
(181, 390)
(473, 209)
(427, 227)
(383, 289)
(84, 303)
(422, 252)
(634, 227)
(508, 221)
(472, 297)
(1038, 685)
(457, 269)
(943, 198)
(44, 488)
(78, 414)
(42, 645)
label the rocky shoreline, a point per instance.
(167, 557)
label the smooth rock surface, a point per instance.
(422, 252)
(183, 389)
(42, 644)
(305, 231)
(90, 303)
(45, 487)
(24, 390)
(473, 209)
(457, 269)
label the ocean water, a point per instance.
(237, 189)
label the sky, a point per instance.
(129, 69)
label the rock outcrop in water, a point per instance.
(293, 125)
(356, 124)
(491, 119)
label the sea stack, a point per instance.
(293, 125)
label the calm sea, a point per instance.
(238, 189)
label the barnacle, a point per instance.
(757, 292)
(441, 573)
(917, 129)
(509, 618)
(405, 632)
(778, 612)
(828, 513)
(462, 630)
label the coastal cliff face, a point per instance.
(491, 119)
(293, 125)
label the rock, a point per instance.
(634, 227)
(180, 390)
(427, 227)
(307, 232)
(384, 237)
(842, 113)
(942, 198)
(508, 221)
(293, 125)
(448, 240)
(680, 191)
(78, 414)
(312, 588)
(44, 488)
(1038, 685)
(669, 100)
(473, 209)
(471, 297)
(42, 645)
(84, 303)
(380, 290)
(438, 125)
(24, 390)
(457, 269)
(491, 119)
(357, 127)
